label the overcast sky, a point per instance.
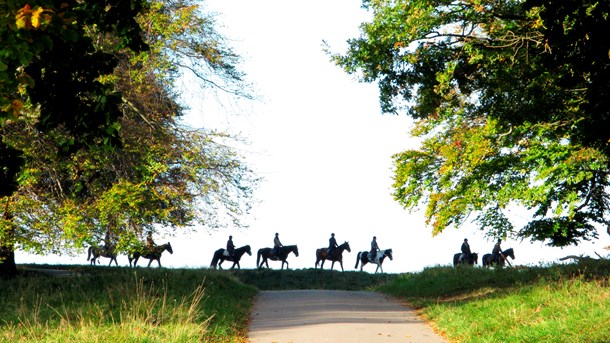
(318, 139)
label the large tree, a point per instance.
(155, 172)
(510, 100)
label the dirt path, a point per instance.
(335, 316)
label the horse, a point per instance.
(268, 254)
(98, 252)
(336, 256)
(220, 257)
(363, 258)
(470, 260)
(488, 260)
(151, 254)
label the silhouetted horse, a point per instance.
(94, 253)
(363, 258)
(487, 260)
(219, 257)
(337, 255)
(469, 260)
(268, 254)
(151, 254)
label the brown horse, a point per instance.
(269, 254)
(220, 257)
(337, 256)
(94, 253)
(151, 254)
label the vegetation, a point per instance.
(555, 303)
(559, 303)
(510, 99)
(103, 304)
(89, 124)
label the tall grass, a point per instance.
(125, 305)
(568, 303)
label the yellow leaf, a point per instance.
(36, 17)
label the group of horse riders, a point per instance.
(332, 244)
(496, 252)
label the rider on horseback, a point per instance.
(150, 243)
(374, 250)
(230, 246)
(465, 250)
(496, 253)
(332, 244)
(277, 244)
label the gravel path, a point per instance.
(335, 316)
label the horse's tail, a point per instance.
(214, 261)
(89, 253)
(258, 257)
(357, 259)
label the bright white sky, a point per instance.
(323, 148)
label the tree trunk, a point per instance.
(8, 267)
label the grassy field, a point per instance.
(568, 303)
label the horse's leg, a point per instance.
(341, 264)
(149, 262)
(332, 265)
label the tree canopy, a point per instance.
(77, 172)
(510, 99)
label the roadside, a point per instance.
(316, 316)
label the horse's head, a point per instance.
(510, 252)
(248, 251)
(388, 253)
(345, 246)
(475, 257)
(168, 247)
(296, 251)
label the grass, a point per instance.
(555, 303)
(105, 304)
(538, 304)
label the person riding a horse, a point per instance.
(374, 250)
(230, 246)
(277, 244)
(332, 244)
(496, 253)
(466, 253)
(107, 243)
(150, 243)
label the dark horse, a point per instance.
(151, 254)
(98, 252)
(268, 254)
(488, 259)
(337, 255)
(471, 260)
(219, 257)
(363, 258)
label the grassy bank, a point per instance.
(567, 303)
(105, 304)
(539, 304)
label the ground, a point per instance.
(335, 316)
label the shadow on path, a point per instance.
(335, 316)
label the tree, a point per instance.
(158, 172)
(510, 99)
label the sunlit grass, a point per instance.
(125, 305)
(537, 304)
